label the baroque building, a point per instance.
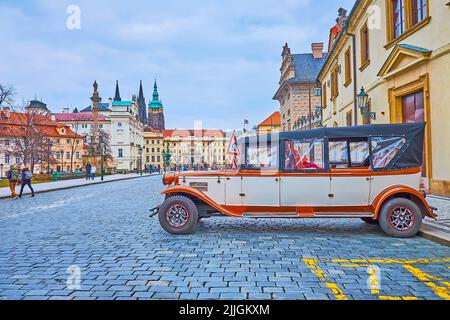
(399, 52)
(298, 93)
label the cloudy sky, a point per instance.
(215, 61)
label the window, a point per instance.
(334, 84)
(345, 154)
(399, 21)
(304, 155)
(159, 158)
(324, 96)
(120, 151)
(419, 11)
(78, 155)
(261, 154)
(58, 155)
(6, 142)
(348, 68)
(67, 155)
(384, 150)
(119, 124)
(404, 15)
(7, 159)
(67, 141)
(365, 51)
(153, 158)
(17, 160)
(317, 92)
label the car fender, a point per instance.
(401, 190)
(201, 196)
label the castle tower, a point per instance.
(141, 106)
(156, 111)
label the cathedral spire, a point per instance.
(141, 92)
(117, 94)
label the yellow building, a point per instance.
(153, 147)
(402, 60)
(271, 124)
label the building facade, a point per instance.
(298, 94)
(402, 61)
(153, 147)
(51, 145)
(271, 124)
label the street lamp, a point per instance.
(363, 105)
(1, 171)
(49, 147)
(140, 159)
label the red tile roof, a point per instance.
(194, 133)
(273, 120)
(17, 125)
(81, 116)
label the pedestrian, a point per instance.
(93, 171)
(13, 178)
(27, 175)
(88, 170)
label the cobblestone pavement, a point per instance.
(443, 206)
(105, 233)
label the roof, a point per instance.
(121, 103)
(306, 67)
(104, 106)
(414, 48)
(85, 116)
(194, 133)
(17, 125)
(273, 120)
(36, 104)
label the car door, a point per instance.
(350, 173)
(305, 181)
(233, 190)
(261, 190)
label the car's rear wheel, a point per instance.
(400, 218)
(369, 220)
(178, 215)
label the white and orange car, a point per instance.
(371, 172)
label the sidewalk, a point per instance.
(67, 184)
(438, 231)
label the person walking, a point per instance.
(93, 171)
(13, 176)
(88, 170)
(27, 175)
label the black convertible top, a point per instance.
(410, 154)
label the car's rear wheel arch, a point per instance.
(404, 195)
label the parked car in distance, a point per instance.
(372, 172)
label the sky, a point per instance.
(215, 61)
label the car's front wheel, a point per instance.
(178, 215)
(400, 217)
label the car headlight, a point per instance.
(169, 178)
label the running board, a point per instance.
(270, 215)
(343, 214)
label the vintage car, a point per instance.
(372, 172)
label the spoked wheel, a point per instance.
(178, 215)
(400, 217)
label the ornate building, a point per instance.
(298, 94)
(156, 111)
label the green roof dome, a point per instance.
(155, 103)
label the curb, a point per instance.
(435, 234)
(80, 185)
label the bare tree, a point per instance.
(7, 94)
(28, 140)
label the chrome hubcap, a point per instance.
(402, 219)
(177, 216)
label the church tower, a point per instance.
(117, 94)
(156, 111)
(141, 106)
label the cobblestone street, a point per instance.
(122, 253)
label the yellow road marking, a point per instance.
(389, 261)
(312, 265)
(429, 280)
(397, 298)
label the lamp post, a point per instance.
(1, 171)
(363, 105)
(140, 159)
(62, 160)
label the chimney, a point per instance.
(317, 50)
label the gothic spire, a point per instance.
(141, 92)
(155, 91)
(117, 94)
